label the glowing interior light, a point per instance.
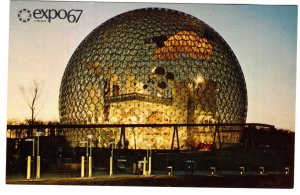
(199, 79)
(153, 70)
(114, 119)
(133, 119)
(197, 47)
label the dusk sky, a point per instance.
(263, 38)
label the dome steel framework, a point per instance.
(150, 66)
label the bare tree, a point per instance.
(32, 97)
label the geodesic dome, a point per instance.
(152, 66)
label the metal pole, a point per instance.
(28, 167)
(172, 144)
(90, 158)
(112, 150)
(33, 159)
(85, 168)
(90, 137)
(87, 156)
(91, 147)
(87, 150)
(38, 146)
(33, 149)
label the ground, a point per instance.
(228, 181)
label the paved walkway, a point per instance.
(236, 181)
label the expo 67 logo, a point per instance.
(48, 15)
(24, 15)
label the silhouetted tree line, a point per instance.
(268, 138)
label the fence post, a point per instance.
(28, 167)
(90, 167)
(82, 166)
(144, 166)
(149, 170)
(110, 166)
(38, 167)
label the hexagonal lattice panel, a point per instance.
(152, 66)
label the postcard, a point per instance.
(151, 94)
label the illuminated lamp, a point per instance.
(212, 170)
(261, 170)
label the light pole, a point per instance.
(29, 158)
(38, 158)
(82, 158)
(87, 152)
(111, 159)
(90, 137)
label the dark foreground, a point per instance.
(232, 181)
